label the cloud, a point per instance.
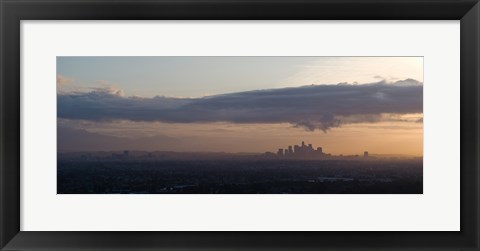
(311, 107)
(63, 81)
(67, 86)
(108, 91)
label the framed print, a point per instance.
(239, 125)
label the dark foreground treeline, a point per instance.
(240, 177)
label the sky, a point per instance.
(346, 105)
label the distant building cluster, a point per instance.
(306, 151)
(301, 151)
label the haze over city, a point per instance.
(347, 105)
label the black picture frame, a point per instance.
(13, 11)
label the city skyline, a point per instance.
(379, 109)
(292, 150)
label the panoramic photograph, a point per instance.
(239, 125)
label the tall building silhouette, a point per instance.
(301, 151)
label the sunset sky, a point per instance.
(346, 105)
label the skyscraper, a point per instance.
(310, 148)
(319, 150)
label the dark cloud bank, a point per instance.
(311, 107)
